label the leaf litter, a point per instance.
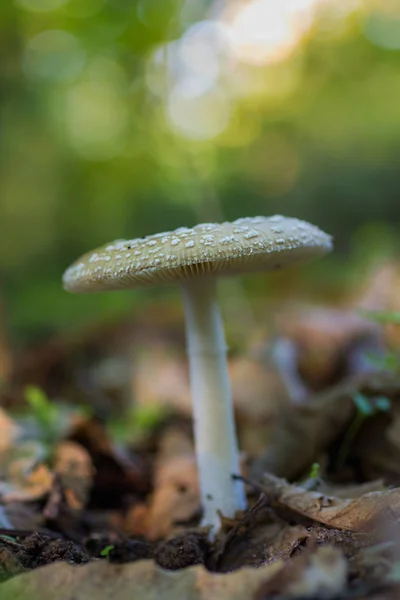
(92, 517)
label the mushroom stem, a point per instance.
(214, 426)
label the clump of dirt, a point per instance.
(130, 551)
(38, 549)
(182, 551)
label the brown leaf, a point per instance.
(259, 537)
(306, 430)
(319, 573)
(352, 514)
(349, 490)
(327, 343)
(175, 498)
(141, 580)
(9, 431)
(27, 483)
(73, 464)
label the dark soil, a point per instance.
(183, 551)
(130, 551)
(240, 546)
(39, 549)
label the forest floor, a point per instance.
(98, 505)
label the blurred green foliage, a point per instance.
(50, 421)
(139, 422)
(382, 316)
(98, 144)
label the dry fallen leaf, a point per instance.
(257, 538)
(9, 431)
(141, 580)
(325, 575)
(26, 482)
(306, 430)
(328, 343)
(73, 465)
(301, 433)
(353, 514)
(348, 490)
(175, 498)
(319, 573)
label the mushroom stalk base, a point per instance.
(214, 426)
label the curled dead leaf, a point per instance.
(353, 514)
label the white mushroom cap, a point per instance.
(243, 246)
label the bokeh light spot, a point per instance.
(96, 113)
(156, 74)
(40, 5)
(202, 117)
(383, 29)
(55, 55)
(202, 52)
(82, 10)
(263, 31)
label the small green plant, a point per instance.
(106, 551)
(366, 407)
(313, 479)
(43, 409)
(314, 471)
(389, 361)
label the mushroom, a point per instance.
(194, 258)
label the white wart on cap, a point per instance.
(212, 249)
